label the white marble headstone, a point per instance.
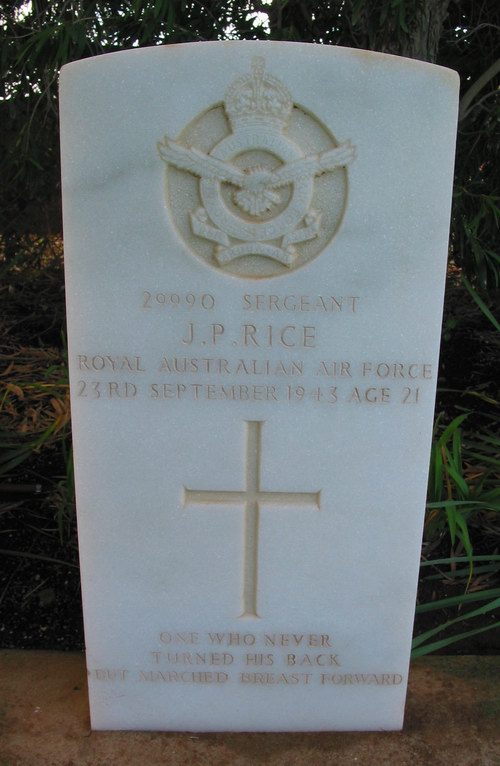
(255, 243)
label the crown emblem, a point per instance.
(258, 99)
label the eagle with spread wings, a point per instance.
(256, 185)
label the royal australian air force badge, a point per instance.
(257, 185)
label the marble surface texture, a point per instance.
(255, 244)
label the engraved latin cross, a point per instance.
(252, 498)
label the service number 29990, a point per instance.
(177, 300)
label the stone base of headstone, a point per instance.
(452, 716)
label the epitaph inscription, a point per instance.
(252, 498)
